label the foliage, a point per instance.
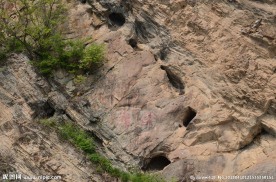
(93, 55)
(66, 55)
(33, 27)
(85, 142)
(79, 79)
(30, 25)
(2, 54)
(78, 137)
(72, 56)
(48, 122)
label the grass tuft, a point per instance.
(84, 142)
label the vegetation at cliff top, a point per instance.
(35, 28)
(84, 142)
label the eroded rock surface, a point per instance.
(221, 61)
(26, 147)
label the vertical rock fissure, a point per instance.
(174, 79)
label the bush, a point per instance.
(66, 55)
(92, 56)
(71, 56)
(79, 79)
(77, 137)
(3, 55)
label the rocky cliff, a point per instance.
(187, 89)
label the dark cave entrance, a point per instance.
(42, 109)
(157, 163)
(117, 19)
(133, 43)
(189, 115)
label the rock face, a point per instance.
(198, 89)
(25, 147)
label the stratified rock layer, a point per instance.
(199, 87)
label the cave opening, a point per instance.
(117, 19)
(157, 163)
(189, 115)
(49, 111)
(42, 109)
(133, 43)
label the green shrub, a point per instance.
(79, 79)
(14, 45)
(46, 65)
(93, 55)
(3, 55)
(77, 137)
(69, 55)
(83, 141)
(125, 177)
(48, 122)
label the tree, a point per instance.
(33, 27)
(30, 25)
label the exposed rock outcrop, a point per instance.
(210, 111)
(27, 148)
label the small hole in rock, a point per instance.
(42, 109)
(157, 163)
(133, 43)
(117, 19)
(189, 115)
(83, 1)
(164, 53)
